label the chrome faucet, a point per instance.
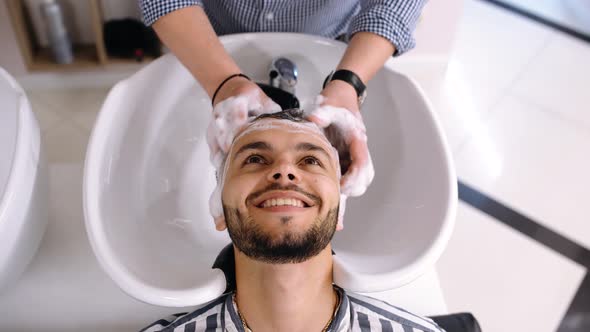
(283, 74)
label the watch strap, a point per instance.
(348, 77)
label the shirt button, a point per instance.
(270, 16)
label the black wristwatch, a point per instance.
(350, 78)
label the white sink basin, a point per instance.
(148, 179)
(23, 182)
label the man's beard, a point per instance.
(255, 243)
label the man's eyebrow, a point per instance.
(259, 145)
(305, 146)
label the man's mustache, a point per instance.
(292, 187)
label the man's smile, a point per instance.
(283, 199)
(283, 209)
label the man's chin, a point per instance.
(277, 240)
(284, 251)
(281, 244)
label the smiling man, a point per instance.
(280, 195)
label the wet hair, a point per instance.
(293, 114)
(298, 115)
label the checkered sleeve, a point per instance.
(152, 10)
(394, 20)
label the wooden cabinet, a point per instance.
(39, 58)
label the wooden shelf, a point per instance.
(85, 56)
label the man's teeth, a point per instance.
(282, 201)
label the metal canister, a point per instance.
(59, 41)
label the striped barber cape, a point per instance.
(356, 313)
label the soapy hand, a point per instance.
(337, 112)
(237, 102)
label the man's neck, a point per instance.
(285, 297)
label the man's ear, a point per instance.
(220, 224)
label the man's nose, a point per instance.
(284, 172)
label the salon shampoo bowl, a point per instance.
(23, 183)
(147, 178)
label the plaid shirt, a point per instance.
(394, 20)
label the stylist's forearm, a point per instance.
(188, 33)
(365, 55)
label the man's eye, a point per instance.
(311, 161)
(254, 159)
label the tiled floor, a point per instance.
(521, 90)
(516, 112)
(504, 278)
(66, 118)
(42, 299)
(535, 165)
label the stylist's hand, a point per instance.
(238, 100)
(338, 113)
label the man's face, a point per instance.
(281, 193)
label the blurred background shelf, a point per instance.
(84, 57)
(114, 60)
(85, 20)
